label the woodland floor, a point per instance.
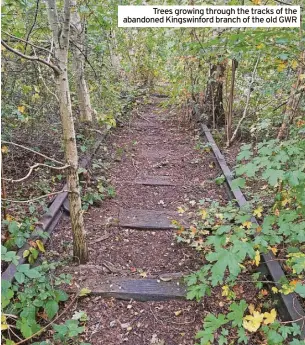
(153, 143)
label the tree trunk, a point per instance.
(61, 46)
(214, 98)
(231, 101)
(294, 99)
(78, 36)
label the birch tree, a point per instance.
(77, 46)
(60, 28)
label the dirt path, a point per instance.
(152, 149)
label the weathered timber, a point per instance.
(160, 180)
(137, 289)
(147, 219)
(289, 306)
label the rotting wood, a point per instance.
(289, 306)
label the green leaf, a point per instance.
(61, 296)
(19, 276)
(51, 309)
(237, 313)
(84, 292)
(238, 183)
(300, 289)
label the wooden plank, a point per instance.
(147, 219)
(151, 153)
(137, 289)
(160, 180)
(290, 307)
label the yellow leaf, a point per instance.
(253, 322)
(256, 2)
(260, 46)
(26, 253)
(21, 109)
(247, 224)
(4, 149)
(219, 215)
(294, 64)
(285, 201)
(178, 312)
(143, 274)
(274, 289)
(269, 317)
(225, 290)
(9, 217)
(273, 249)
(84, 292)
(4, 325)
(40, 246)
(180, 210)
(203, 213)
(302, 76)
(257, 257)
(281, 66)
(258, 211)
(251, 308)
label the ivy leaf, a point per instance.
(238, 183)
(40, 246)
(253, 322)
(20, 277)
(51, 308)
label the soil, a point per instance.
(153, 143)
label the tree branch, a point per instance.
(33, 25)
(27, 42)
(31, 58)
(35, 199)
(31, 170)
(28, 149)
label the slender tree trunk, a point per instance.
(61, 46)
(78, 36)
(231, 101)
(214, 99)
(294, 99)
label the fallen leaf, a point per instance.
(258, 211)
(180, 210)
(4, 149)
(257, 257)
(84, 292)
(225, 290)
(253, 322)
(247, 224)
(274, 289)
(178, 312)
(203, 213)
(143, 274)
(269, 317)
(21, 109)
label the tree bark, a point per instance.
(214, 98)
(61, 46)
(294, 99)
(78, 36)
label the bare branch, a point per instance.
(32, 58)
(31, 150)
(34, 167)
(35, 199)
(27, 42)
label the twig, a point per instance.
(49, 324)
(31, 170)
(33, 25)
(35, 199)
(247, 103)
(56, 69)
(31, 150)
(27, 42)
